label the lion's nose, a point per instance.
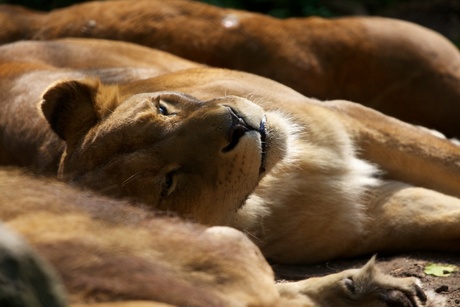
(237, 129)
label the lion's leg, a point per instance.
(404, 152)
(404, 217)
(367, 286)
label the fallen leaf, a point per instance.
(439, 269)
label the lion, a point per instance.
(89, 241)
(396, 67)
(279, 167)
(305, 180)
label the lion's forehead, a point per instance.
(175, 98)
(128, 133)
(147, 139)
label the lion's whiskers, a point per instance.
(131, 178)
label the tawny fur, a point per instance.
(116, 253)
(393, 66)
(107, 250)
(305, 194)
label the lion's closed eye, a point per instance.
(169, 183)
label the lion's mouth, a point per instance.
(239, 127)
(263, 140)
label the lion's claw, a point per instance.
(364, 287)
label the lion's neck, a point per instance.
(314, 187)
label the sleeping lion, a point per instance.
(228, 148)
(89, 241)
(306, 180)
(396, 67)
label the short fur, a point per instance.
(107, 250)
(116, 253)
(393, 66)
(298, 176)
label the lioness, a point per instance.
(229, 148)
(242, 151)
(399, 68)
(111, 253)
(107, 250)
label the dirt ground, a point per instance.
(401, 265)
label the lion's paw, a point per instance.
(364, 287)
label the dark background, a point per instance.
(440, 15)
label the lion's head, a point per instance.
(166, 149)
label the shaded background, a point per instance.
(440, 15)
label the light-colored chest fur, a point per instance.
(312, 199)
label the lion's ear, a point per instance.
(73, 107)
